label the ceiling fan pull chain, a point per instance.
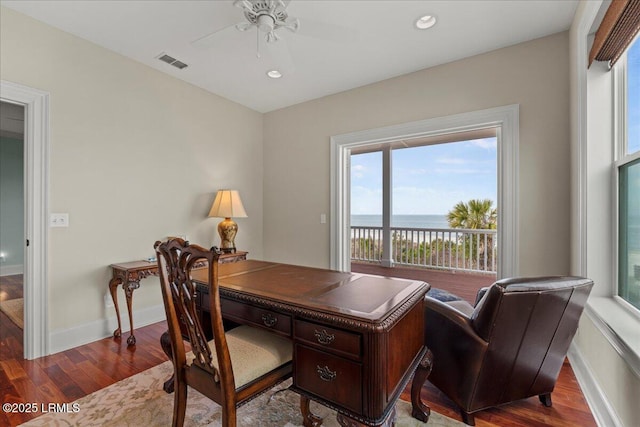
(257, 42)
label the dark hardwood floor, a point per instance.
(69, 375)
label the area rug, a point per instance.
(14, 309)
(140, 401)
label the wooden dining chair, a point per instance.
(235, 365)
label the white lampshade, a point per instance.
(227, 204)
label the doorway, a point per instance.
(35, 104)
(11, 222)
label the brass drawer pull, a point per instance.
(326, 374)
(324, 337)
(269, 320)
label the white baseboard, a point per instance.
(10, 270)
(600, 407)
(64, 339)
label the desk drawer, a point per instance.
(256, 316)
(330, 377)
(332, 340)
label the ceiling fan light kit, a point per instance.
(267, 16)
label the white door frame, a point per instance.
(36, 188)
(505, 119)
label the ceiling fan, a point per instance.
(267, 16)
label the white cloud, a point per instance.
(463, 171)
(415, 171)
(486, 143)
(358, 171)
(451, 161)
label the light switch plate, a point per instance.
(59, 220)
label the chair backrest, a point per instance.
(529, 324)
(176, 259)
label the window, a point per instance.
(403, 192)
(628, 174)
(505, 121)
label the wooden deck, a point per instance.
(465, 285)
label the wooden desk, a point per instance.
(357, 339)
(129, 275)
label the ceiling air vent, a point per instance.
(172, 61)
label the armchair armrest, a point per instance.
(451, 313)
(444, 320)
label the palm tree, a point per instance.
(475, 214)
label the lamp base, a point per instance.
(227, 229)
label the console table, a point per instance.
(357, 339)
(129, 275)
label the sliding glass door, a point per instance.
(427, 203)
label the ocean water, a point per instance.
(408, 221)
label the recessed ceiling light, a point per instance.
(274, 74)
(427, 21)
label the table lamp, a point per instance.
(227, 204)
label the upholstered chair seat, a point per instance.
(253, 353)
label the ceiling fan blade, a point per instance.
(243, 26)
(211, 39)
(326, 31)
(291, 24)
(243, 4)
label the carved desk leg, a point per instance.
(113, 289)
(308, 418)
(130, 286)
(419, 410)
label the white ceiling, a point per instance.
(340, 44)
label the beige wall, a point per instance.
(533, 74)
(136, 155)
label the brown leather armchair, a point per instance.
(510, 346)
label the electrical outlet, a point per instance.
(59, 220)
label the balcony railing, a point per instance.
(440, 248)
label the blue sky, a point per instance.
(427, 180)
